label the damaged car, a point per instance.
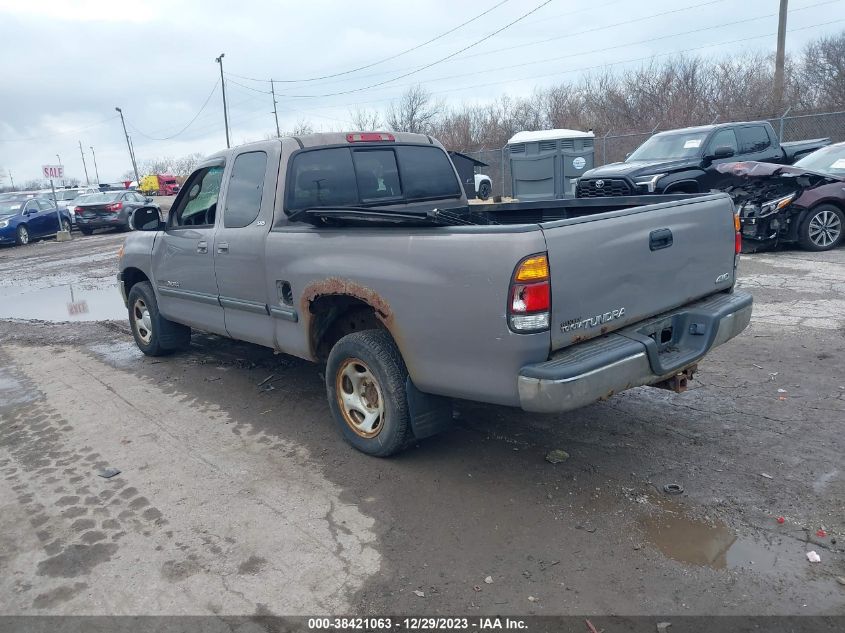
(802, 203)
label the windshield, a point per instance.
(96, 198)
(11, 207)
(667, 146)
(827, 160)
(67, 195)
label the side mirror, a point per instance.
(147, 219)
(723, 151)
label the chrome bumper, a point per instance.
(631, 357)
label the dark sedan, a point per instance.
(110, 209)
(803, 203)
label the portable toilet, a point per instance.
(547, 164)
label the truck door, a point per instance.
(239, 243)
(183, 256)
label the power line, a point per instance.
(610, 48)
(434, 63)
(386, 59)
(544, 41)
(167, 138)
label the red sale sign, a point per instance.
(53, 172)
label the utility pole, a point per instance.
(96, 171)
(219, 60)
(275, 114)
(84, 166)
(12, 179)
(129, 145)
(780, 55)
(59, 158)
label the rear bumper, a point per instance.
(596, 369)
(101, 222)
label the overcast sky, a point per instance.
(67, 64)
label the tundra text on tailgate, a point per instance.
(359, 251)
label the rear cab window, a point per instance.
(370, 176)
(244, 193)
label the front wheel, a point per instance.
(154, 335)
(365, 384)
(65, 226)
(822, 229)
(22, 235)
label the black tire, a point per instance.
(822, 229)
(157, 336)
(86, 230)
(374, 351)
(484, 190)
(22, 235)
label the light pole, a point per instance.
(96, 171)
(59, 158)
(219, 60)
(84, 166)
(129, 145)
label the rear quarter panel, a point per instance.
(442, 291)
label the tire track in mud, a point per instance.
(161, 531)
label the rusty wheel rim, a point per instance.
(359, 398)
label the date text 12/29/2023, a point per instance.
(416, 624)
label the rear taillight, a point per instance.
(369, 137)
(738, 235)
(77, 210)
(114, 206)
(530, 297)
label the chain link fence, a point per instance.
(613, 147)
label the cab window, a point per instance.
(199, 206)
(752, 139)
(246, 186)
(724, 138)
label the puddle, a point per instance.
(715, 545)
(119, 355)
(68, 302)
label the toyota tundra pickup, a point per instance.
(687, 160)
(359, 251)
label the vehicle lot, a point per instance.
(237, 496)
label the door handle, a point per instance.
(202, 247)
(661, 238)
(223, 247)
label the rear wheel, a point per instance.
(22, 235)
(65, 226)
(484, 190)
(365, 384)
(822, 229)
(154, 335)
(85, 230)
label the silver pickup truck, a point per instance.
(360, 251)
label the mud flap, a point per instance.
(429, 414)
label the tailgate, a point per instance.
(618, 268)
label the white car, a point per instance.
(66, 197)
(483, 186)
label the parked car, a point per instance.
(803, 203)
(27, 217)
(68, 197)
(360, 251)
(159, 185)
(685, 161)
(109, 210)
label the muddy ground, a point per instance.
(237, 498)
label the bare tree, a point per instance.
(414, 112)
(823, 71)
(365, 119)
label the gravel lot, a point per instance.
(235, 499)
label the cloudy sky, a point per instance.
(68, 63)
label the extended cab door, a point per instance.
(183, 256)
(239, 243)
